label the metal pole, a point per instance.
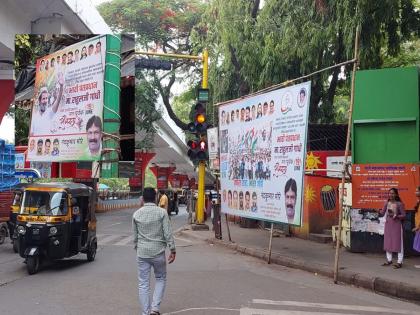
(270, 243)
(346, 153)
(148, 53)
(228, 228)
(202, 164)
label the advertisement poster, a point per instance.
(213, 145)
(66, 119)
(44, 168)
(19, 160)
(262, 153)
(371, 183)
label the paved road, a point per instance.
(204, 280)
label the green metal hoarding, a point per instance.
(112, 119)
(386, 116)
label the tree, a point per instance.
(160, 25)
(258, 46)
(146, 113)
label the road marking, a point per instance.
(202, 309)
(108, 239)
(183, 239)
(335, 306)
(254, 311)
(125, 241)
(113, 224)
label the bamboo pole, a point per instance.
(270, 244)
(346, 154)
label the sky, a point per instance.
(7, 129)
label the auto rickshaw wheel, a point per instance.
(15, 246)
(32, 264)
(91, 253)
(3, 234)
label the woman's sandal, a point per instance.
(397, 266)
(387, 263)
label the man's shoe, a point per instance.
(154, 313)
(397, 266)
(387, 263)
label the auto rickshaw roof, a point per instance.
(70, 187)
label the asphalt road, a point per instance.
(204, 280)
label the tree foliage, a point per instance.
(160, 25)
(146, 113)
(255, 46)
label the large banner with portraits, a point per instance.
(262, 152)
(66, 120)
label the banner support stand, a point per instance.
(346, 153)
(270, 244)
(227, 226)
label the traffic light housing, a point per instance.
(198, 150)
(154, 64)
(199, 124)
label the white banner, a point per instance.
(336, 163)
(263, 144)
(19, 160)
(213, 147)
(66, 121)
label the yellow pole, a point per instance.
(202, 164)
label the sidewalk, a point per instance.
(362, 270)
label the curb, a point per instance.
(381, 285)
(104, 207)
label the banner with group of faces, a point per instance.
(262, 151)
(66, 120)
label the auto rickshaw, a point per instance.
(14, 211)
(55, 221)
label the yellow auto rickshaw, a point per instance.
(14, 211)
(56, 220)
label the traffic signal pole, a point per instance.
(202, 165)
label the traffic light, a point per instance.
(192, 152)
(154, 64)
(197, 150)
(199, 124)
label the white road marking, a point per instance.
(202, 309)
(183, 239)
(125, 241)
(107, 239)
(113, 224)
(254, 311)
(335, 307)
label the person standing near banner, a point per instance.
(416, 229)
(393, 233)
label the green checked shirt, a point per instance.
(152, 231)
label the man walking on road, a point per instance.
(152, 234)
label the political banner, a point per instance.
(44, 168)
(66, 119)
(262, 154)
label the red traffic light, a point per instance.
(192, 144)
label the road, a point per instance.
(204, 279)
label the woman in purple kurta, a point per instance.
(393, 234)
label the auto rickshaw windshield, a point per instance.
(50, 203)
